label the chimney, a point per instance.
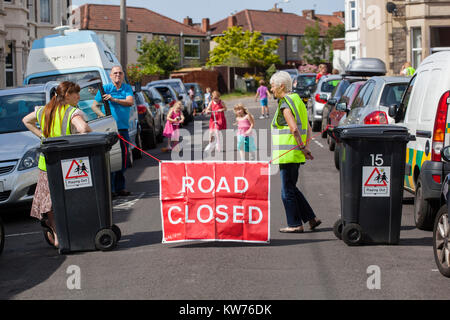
(187, 21)
(205, 25)
(309, 14)
(232, 21)
(276, 9)
(339, 14)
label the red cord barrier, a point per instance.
(122, 138)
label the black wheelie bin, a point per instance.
(2, 236)
(79, 179)
(372, 169)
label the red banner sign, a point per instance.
(225, 201)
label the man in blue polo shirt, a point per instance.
(120, 97)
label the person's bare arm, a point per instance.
(289, 117)
(30, 122)
(128, 102)
(96, 109)
(81, 125)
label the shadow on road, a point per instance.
(421, 242)
(139, 239)
(273, 243)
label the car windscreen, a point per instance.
(392, 94)
(178, 88)
(340, 89)
(74, 77)
(306, 81)
(14, 107)
(328, 86)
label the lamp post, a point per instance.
(123, 34)
(181, 49)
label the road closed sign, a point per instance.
(223, 201)
(376, 181)
(76, 173)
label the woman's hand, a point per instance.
(307, 153)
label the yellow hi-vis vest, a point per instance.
(60, 126)
(282, 138)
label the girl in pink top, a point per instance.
(245, 134)
(217, 121)
(264, 95)
(171, 129)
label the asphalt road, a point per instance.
(312, 265)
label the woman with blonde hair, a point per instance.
(59, 117)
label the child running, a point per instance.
(217, 121)
(263, 94)
(245, 134)
(171, 129)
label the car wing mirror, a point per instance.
(332, 102)
(393, 110)
(342, 107)
(180, 97)
(324, 97)
(445, 153)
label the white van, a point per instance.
(73, 55)
(424, 111)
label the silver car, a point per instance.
(19, 155)
(372, 103)
(319, 98)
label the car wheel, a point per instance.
(137, 154)
(2, 236)
(316, 126)
(336, 158)
(149, 138)
(331, 143)
(424, 210)
(441, 245)
(323, 129)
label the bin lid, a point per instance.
(78, 141)
(375, 132)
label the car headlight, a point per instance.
(29, 160)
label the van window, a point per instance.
(74, 77)
(87, 97)
(417, 96)
(431, 97)
(392, 94)
(404, 104)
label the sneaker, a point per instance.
(262, 116)
(267, 116)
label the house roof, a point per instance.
(107, 18)
(266, 22)
(329, 20)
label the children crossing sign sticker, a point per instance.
(76, 173)
(376, 181)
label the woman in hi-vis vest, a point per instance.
(290, 128)
(59, 117)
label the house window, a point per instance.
(294, 44)
(138, 42)
(416, 46)
(31, 4)
(45, 8)
(353, 15)
(352, 53)
(192, 48)
(440, 39)
(9, 64)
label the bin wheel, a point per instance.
(352, 234)
(117, 231)
(337, 229)
(105, 240)
(2, 236)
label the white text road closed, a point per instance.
(76, 173)
(376, 181)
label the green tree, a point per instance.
(238, 49)
(158, 56)
(334, 32)
(314, 44)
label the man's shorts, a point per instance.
(263, 102)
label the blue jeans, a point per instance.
(118, 177)
(295, 204)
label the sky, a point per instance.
(217, 10)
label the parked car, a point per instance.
(441, 228)
(319, 98)
(19, 156)
(371, 105)
(292, 72)
(181, 90)
(168, 93)
(304, 85)
(156, 98)
(198, 94)
(149, 129)
(347, 97)
(424, 111)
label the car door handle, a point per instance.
(423, 134)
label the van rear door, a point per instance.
(100, 124)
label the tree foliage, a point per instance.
(158, 56)
(244, 49)
(314, 45)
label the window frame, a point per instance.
(189, 42)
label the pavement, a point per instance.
(312, 265)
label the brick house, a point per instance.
(142, 23)
(274, 23)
